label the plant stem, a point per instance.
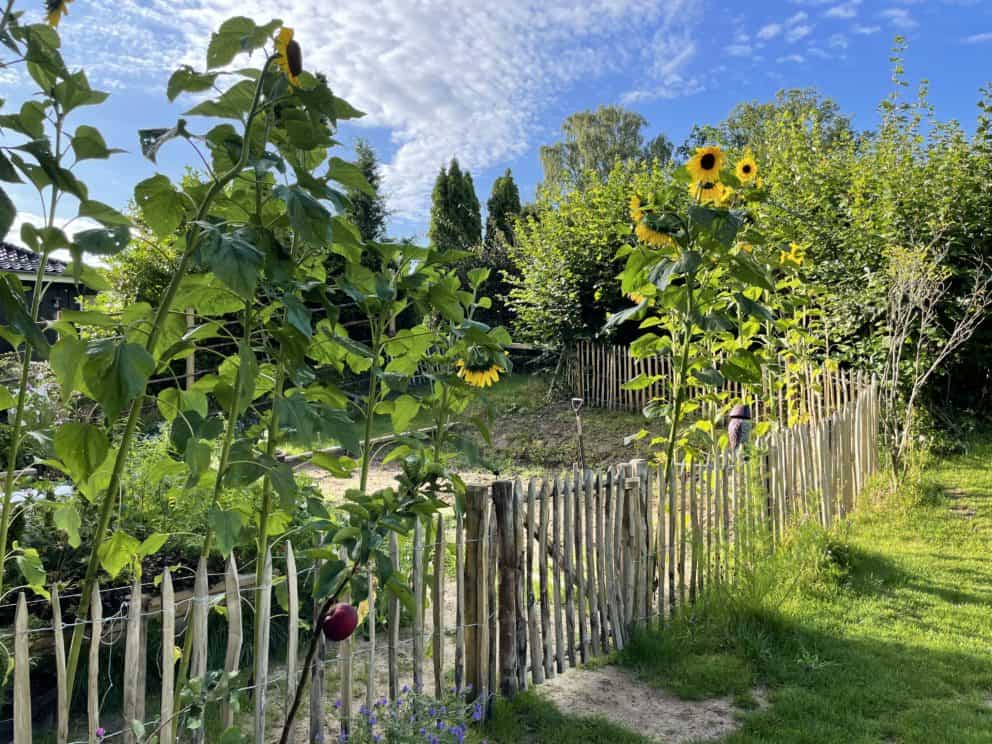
(680, 380)
(311, 652)
(134, 415)
(22, 391)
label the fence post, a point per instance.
(474, 502)
(22, 674)
(62, 732)
(168, 657)
(506, 530)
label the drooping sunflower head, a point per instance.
(747, 168)
(479, 377)
(55, 9)
(706, 164)
(479, 368)
(652, 237)
(289, 56)
(636, 213)
(710, 192)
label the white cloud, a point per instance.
(865, 30)
(740, 50)
(799, 17)
(465, 78)
(791, 58)
(844, 10)
(769, 31)
(978, 38)
(899, 17)
(796, 33)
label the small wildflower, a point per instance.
(101, 732)
(337, 705)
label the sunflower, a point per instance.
(636, 213)
(652, 237)
(706, 164)
(636, 297)
(478, 376)
(289, 56)
(55, 9)
(795, 254)
(747, 168)
(710, 192)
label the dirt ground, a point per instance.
(615, 694)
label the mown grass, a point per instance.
(878, 632)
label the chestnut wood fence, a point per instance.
(545, 574)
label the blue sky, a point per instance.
(490, 81)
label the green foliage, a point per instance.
(367, 209)
(456, 219)
(594, 142)
(565, 256)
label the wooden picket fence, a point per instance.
(597, 373)
(548, 573)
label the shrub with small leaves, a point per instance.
(416, 717)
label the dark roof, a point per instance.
(16, 258)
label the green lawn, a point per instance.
(887, 636)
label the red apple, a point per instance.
(341, 621)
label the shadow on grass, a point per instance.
(883, 658)
(529, 719)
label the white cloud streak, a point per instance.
(465, 78)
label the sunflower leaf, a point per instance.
(237, 35)
(188, 80)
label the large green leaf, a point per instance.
(75, 91)
(66, 518)
(117, 552)
(237, 35)
(33, 571)
(310, 219)
(88, 144)
(102, 213)
(233, 103)
(743, 367)
(100, 241)
(188, 80)
(350, 175)
(232, 258)
(82, 447)
(66, 359)
(227, 526)
(116, 373)
(7, 214)
(15, 311)
(161, 205)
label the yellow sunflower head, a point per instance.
(710, 192)
(636, 213)
(747, 168)
(477, 375)
(55, 9)
(652, 237)
(636, 297)
(795, 254)
(289, 56)
(706, 164)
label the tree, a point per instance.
(593, 143)
(456, 219)
(565, 257)
(503, 209)
(368, 213)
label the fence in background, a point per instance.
(548, 573)
(597, 373)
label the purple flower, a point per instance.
(337, 705)
(100, 732)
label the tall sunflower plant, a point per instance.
(699, 275)
(267, 269)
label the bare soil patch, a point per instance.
(612, 693)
